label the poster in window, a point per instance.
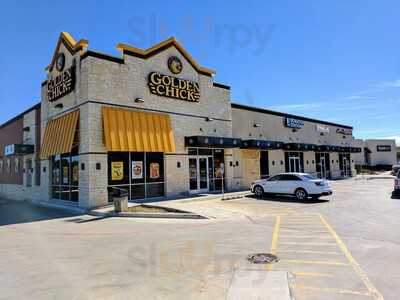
(75, 173)
(65, 175)
(154, 170)
(117, 170)
(137, 169)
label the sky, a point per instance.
(336, 60)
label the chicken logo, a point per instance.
(175, 65)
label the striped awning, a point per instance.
(59, 135)
(137, 131)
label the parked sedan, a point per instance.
(300, 185)
(396, 191)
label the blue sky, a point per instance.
(334, 60)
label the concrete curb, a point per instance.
(148, 215)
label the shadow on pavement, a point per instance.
(288, 199)
(13, 212)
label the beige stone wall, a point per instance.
(309, 162)
(250, 166)
(275, 159)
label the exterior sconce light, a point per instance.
(256, 125)
(59, 106)
(26, 129)
(139, 100)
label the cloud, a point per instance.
(299, 106)
(389, 84)
(356, 97)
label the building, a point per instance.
(376, 153)
(154, 123)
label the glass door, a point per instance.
(294, 164)
(323, 167)
(198, 174)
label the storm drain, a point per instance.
(262, 258)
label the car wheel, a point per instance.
(301, 194)
(258, 191)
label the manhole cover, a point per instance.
(262, 258)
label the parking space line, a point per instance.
(310, 252)
(357, 269)
(328, 237)
(274, 242)
(312, 274)
(313, 262)
(308, 244)
(330, 290)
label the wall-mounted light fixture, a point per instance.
(27, 128)
(256, 125)
(59, 106)
(139, 100)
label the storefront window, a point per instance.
(65, 176)
(1, 166)
(140, 174)
(294, 162)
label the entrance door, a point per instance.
(346, 168)
(323, 167)
(198, 174)
(294, 164)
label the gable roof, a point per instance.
(171, 42)
(70, 43)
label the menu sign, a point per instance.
(61, 84)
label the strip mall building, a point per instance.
(155, 123)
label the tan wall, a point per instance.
(272, 128)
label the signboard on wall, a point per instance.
(293, 123)
(60, 85)
(172, 87)
(117, 170)
(137, 169)
(18, 149)
(383, 148)
(322, 128)
(345, 131)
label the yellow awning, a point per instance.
(136, 131)
(59, 135)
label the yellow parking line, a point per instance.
(308, 244)
(310, 252)
(275, 236)
(312, 274)
(329, 290)
(358, 270)
(313, 262)
(304, 230)
(328, 237)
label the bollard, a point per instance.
(120, 199)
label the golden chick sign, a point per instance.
(172, 87)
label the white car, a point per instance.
(396, 191)
(300, 185)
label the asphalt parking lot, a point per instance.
(345, 246)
